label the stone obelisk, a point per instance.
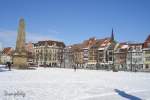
(20, 55)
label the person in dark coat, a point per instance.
(9, 65)
(74, 67)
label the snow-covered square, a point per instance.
(66, 84)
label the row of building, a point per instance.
(92, 53)
(106, 53)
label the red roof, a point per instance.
(7, 51)
(88, 43)
(50, 42)
(147, 41)
(77, 47)
(103, 42)
(123, 45)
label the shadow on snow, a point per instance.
(3, 69)
(125, 95)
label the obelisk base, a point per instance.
(20, 61)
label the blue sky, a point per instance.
(73, 21)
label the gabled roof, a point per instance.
(77, 47)
(147, 41)
(135, 44)
(7, 51)
(88, 43)
(123, 45)
(50, 42)
(102, 43)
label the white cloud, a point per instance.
(8, 37)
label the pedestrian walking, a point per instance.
(75, 68)
(9, 66)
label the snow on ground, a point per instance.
(65, 84)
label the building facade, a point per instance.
(146, 53)
(93, 57)
(135, 57)
(0, 51)
(120, 56)
(6, 55)
(49, 53)
(87, 44)
(78, 59)
(101, 53)
(30, 53)
(68, 57)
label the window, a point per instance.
(147, 66)
(110, 53)
(138, 54)
(147, 58)
(110, 58)
(129, 59)
(147, 52)
(138, 48)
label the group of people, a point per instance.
(9, 64)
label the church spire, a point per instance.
(112, 35)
